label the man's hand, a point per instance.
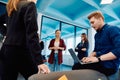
(42, 68)
(93, 54)
(89, 59)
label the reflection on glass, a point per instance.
(67, 33)
(48, 28)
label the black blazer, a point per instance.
(81, 53)
(22, 29)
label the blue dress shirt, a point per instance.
(108, 40)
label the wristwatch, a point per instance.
(99, 60)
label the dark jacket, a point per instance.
(22, 29)
(51, 58)
(81, 53)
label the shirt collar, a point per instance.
(104, 26)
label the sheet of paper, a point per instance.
(63, 78)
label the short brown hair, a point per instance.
(96, 14)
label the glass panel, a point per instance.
(2, 12)
(48, 28)
(48, 32)
(67, 33)
(2, 8)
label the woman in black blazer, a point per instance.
(82, 47)
(21, 47)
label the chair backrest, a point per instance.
(84, 74)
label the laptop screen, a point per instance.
(72, 53)
(75, 58)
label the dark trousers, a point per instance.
(94, 66)
(16, 60)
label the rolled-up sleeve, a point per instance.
(115, 39)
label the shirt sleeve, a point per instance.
(30, 19)
(78, 47)
(63, 44)
(86, 45)
(114, 35)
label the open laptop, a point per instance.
(75, 58)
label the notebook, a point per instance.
(75, 58)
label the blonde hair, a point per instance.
(12, 5)
(96, 15)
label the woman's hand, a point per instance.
(42, 68)
(83, 49)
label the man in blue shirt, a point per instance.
(106, 53)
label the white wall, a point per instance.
(67, 60)
(39, 18)
(91, 33)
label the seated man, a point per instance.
(106, 53)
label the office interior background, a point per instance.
(70, 16)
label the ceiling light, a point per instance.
(106, 1)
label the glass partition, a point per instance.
(69, 33)
(48, 28)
